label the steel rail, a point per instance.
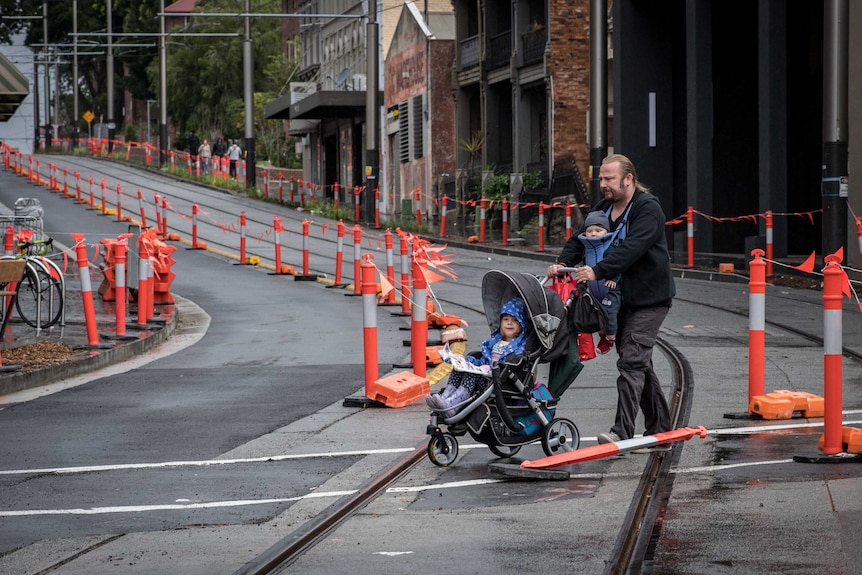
(636, 538)
(283, 553)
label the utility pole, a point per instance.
(75, 114)
(163, 88)
(248, 96)
(36, 102)
(47, 75)
(834, 186)
(598, 93)
(112, 126)
(372, 131)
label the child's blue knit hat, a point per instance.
(516, 308)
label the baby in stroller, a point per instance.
(502, 405)
(509, 339)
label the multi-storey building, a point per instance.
(522, 85)
(326, 105)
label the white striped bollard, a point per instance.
(405, 275)
(339, 251)
(390, 267)
(369, 320)
(242, 237)
(419, 323)
(86, 290)
(833, 299)
(357, 241)
(756, 325)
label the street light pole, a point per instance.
(75, 74)
(112, 126)
(163, 88)
(248, 96)
(372, 133)
(45, 70)
(834, 186)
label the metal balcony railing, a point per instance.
(533, 45)
(470, 52)
(499, 50)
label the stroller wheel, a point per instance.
(443, 449)
(560, 435)
(504, 450)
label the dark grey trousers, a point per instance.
(638, 385)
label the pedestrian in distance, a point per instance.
(506, 341)
(206, 156)
(194, 146)
(233, 155)
(597, 240)
(219, 148)
(640, 257)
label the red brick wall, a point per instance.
(442, 108)
(569, 66)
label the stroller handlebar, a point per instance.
(561, 270)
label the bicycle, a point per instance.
(41, 292)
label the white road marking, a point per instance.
(183, 505)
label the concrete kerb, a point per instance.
(90, 360)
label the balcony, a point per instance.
(499, 50)
(533, 45)
(470, 52)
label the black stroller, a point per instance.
(514, 410)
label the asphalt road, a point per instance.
(275, 351)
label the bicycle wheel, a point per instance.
(39, 291)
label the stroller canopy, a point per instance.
(548, 331)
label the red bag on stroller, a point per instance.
(564, 285)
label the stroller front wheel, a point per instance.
(560, 435)
(443, 449)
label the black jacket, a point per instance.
(641, 258)
(194, 145)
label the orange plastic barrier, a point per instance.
(781, 404)
(399, 389)
(851, 440)
(432, 355)
(442, 319)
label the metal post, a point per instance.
(75, 118)
(248, 97)
(47, 75)
(112, 126)
(163, 88)
(598, 92)
(834, 186)
(372, 132)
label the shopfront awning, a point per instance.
(318, 106)
(14, 87)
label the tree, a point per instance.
(205, 74)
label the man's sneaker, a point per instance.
(604, 346)
(609, 437)
(660, 448)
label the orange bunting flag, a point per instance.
(807, 266)
(385, 285)
(845, 284)
(839, 254)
